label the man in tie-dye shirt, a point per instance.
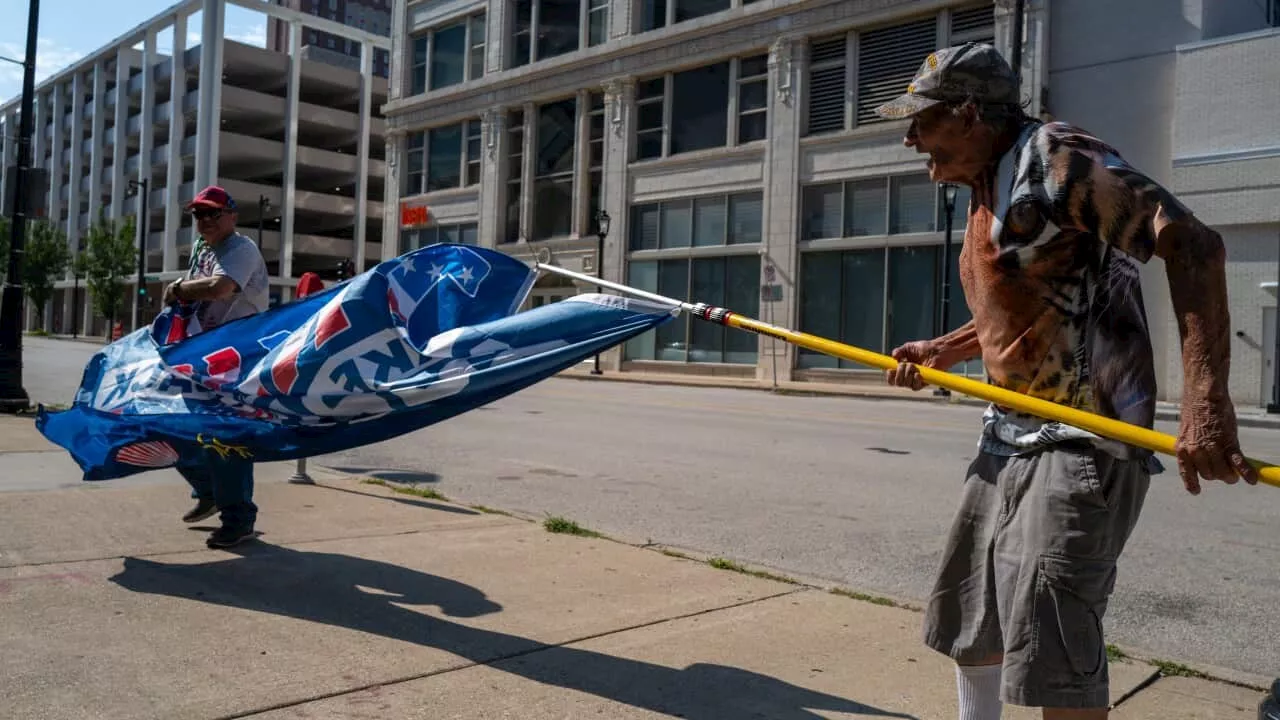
(1058, 223)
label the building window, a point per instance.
(876, 299)
(696, 110)
(656, 14)
(464, 233)
(886, 61)
(708, 221)
(875, 206)
(447, 55)
(515, 173)
(553, 174)
(559, 26)
(730, 282)
(443, 158)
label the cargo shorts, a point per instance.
(1029, 566)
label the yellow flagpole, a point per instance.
(1149, 439)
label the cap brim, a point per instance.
(205, 204)
(905, 106)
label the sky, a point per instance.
(96, 23)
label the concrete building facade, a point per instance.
(732, 144)
(298, 142)
(372, 16)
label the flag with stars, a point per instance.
(417, 340)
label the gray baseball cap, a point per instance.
(973, 70)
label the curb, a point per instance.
(798, 389)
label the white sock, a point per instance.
(979, 690)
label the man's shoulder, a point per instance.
(1065, 147)
(240, 243)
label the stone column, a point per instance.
(177, 134)
(787, 62)
(391, 194)
(493, 180)
(145, 135)
(213, 15)
(290, 151)
(365, 123)
(120, 137)
(619, 109)
(97, 140)
(75, 134)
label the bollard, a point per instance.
(300, 476)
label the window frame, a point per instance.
(688, 259)
(887, 182)
(418, 143)
(854, 56)
(585, 10)
(733, 113)
(420, 73)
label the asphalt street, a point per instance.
(856, 492)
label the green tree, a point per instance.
(45, 258)
(109, 257)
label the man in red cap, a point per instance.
(227, 280)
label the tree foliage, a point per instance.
(44, 260)
(109, 257)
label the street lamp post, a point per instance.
(140, 188)
(13, 397)
(263, 203)
(949, 207)
(602, 232)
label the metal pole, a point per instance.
(602, 230)
(13, 397)
(1018, 12)
(949, 206)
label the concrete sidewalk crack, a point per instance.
(1148, 682)
(503, 658)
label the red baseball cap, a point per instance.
(212, 197)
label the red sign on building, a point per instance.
(412, 216)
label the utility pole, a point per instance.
(13, 397)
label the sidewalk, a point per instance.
(1246, 416)
(359, 601)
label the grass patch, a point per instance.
(489, 511)
(1174, 669)
(38, 333)
(1115, 654)
(426, 493)
(723, 564)
(568, 527)
(674, 553)
(873, 599)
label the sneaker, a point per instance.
(225, 537)
(204, 508)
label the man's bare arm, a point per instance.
(217, 287)
(1195, 261)
(960, 344)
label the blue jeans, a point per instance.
(228, 482)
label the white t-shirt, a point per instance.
(238, 258)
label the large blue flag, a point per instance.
(414, 341)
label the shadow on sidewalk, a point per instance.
(357, 594)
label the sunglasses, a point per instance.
(206, 214)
